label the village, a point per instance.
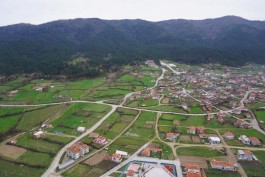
(192, 121)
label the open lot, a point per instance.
(12, 152)
(96, 159)
(201, 161)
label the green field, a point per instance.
(198, 151)
(16, 170)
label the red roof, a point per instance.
(222, 163)
(76, 148)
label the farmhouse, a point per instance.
(171, 136)
(229, 135)
(223, 165)
(245, 155)
(81, 129)
(116, 158)
(192, 130)
(100, 140)
(77, 150)
(242, 124)
(147, 151)
(38, 134)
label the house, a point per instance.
(171, 136)
(229, 135)
(200, 130)
(122, 153)
(93, 135)
(245, 155)
(77, 150)
(254, 141)
(247, 115)
(244, 139)
(214, 140)
(203, 136)
(223, 165)
(192, 130)
(116, 158)
(147, 151)
(81, 129)
(38, 134)
(242, 124)
(193, 170)
(100, 140)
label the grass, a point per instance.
(144, 125)
(58, 139)
(16, 170)
(39, 145)
(79, 170)
(35, 158)
(196, 110)
(33, 119)
(198, 151)
(213, 173)
(8, 123)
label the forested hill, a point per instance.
(88, 46)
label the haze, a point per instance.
(41, 11)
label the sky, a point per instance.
(41, 11)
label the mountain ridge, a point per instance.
(26, 48)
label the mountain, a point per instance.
(81, 47)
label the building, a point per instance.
(242, 124)
(81, 129)
(116, 158)
(147, 151)
(200, 130)
(93, 135)
(192, 130)
(223, 165)
(38, 134)
(171, 136)
(122, 153)
(229, 135)
(245, 155)
(193, 170)
(214, 140)
(244, 139)
(254, 141)
(100, 140)
(77, 150)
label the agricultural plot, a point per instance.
(117, 122)
(199, 151)
(260, 115)
(144, 126)
(81, 114)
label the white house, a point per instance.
(214, 140)
(81, 129)
(244, 139)
(223, 165)
(245, 155)
(77, 150)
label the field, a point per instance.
(11, 152)
(198, 151)
(16, 170)
(96, 159)
(201, 161)
(80, 114)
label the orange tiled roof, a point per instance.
(222, 163)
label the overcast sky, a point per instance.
(41, 11)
